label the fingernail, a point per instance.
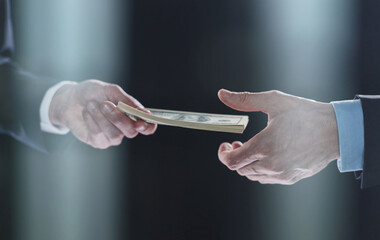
(228, 147)
(224, 93)
(142, 127)
(91, 106)
(106, 108)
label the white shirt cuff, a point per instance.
(45, 123)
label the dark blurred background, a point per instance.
(177, 55)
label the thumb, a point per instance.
(250, 102)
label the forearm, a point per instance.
(22, 93)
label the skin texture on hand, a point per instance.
(88, 110)
(300, 139)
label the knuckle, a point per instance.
(91, 81)
(96, 145)
(243, 97)
(286, 178)
(114, 87)
(288, 182)
(96, 134)
(146, 133)
(92, 107)
(150, 130)
(248, 170)
(231, 163)
(241, 172)
(99, 141)
(114, 135)
(118, 137)
(294, 180)
(131, 134)
(115, 117)
(275, 92)
(117, 141)
(265, 146)
(251, 178)
(277, 170)
(272, 167)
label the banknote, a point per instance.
(194, 120)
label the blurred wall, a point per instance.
(77, 195)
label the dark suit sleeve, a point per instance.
(370, 176)
(21, 93)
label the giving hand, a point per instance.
(88, 110)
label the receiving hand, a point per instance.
(301, 138)
(88, 110)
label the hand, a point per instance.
(88, 110)
(301, 138)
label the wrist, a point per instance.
(59, 104)
(332, 132)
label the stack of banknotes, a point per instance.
(194, 120)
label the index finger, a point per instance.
(119, 119)
(129, 127)
(115, 94)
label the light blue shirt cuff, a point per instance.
(349, 117)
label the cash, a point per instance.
(194, 120)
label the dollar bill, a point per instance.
(194, 120)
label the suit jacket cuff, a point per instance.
(370, 176)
